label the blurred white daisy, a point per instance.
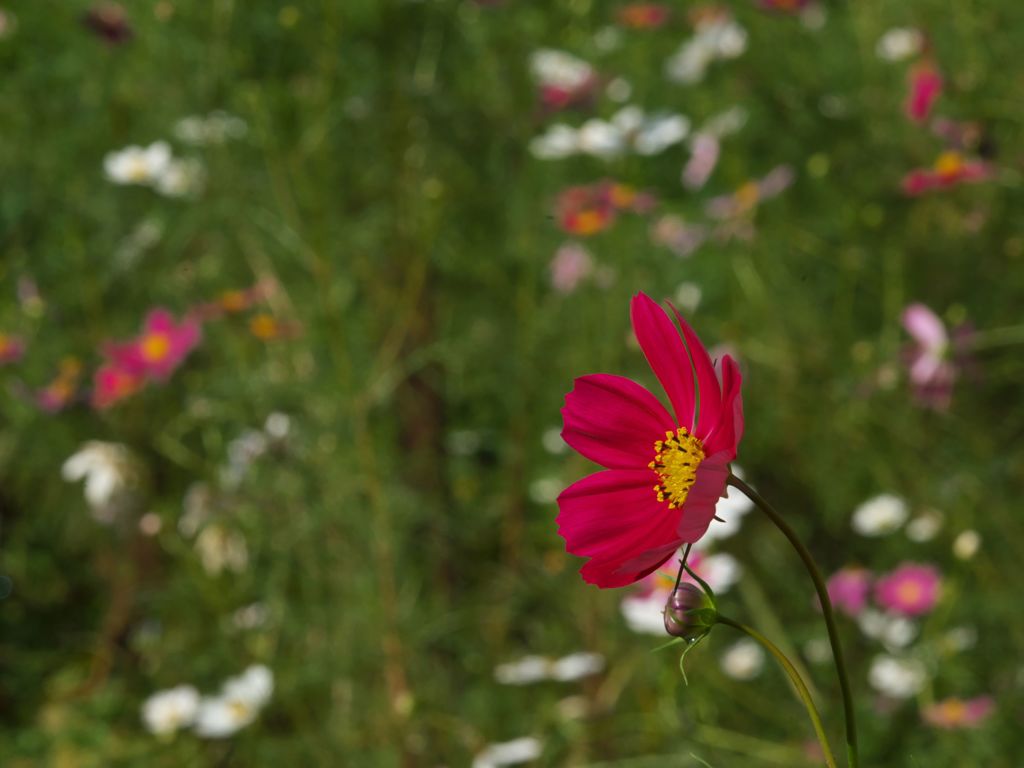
(899, 43)
(576, 666)
(558, 69)
(560, 140)
(535, 669)
(894, 632)
(238, 704)
(138, 165)
(110, 472)
(717, 38)
(880, 515)
(645, 614)
(166, 712)
(545, 490)
(743, 660)
(925, 526)
(897, 678)
(967, 544)
(520, 750)
(688, 296)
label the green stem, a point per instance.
(826, 609)
(997, 337)
(794, 677)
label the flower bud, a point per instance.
(689, 612)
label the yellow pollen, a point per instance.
(748, 195)
(953, 711)
(155, 347)
(949, 164)
(676, 459)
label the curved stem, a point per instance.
(794, 677)
(826, 609)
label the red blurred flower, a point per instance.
(925, 87)
(949, 170)
(160, 349)
(643, 15)
(587, 210)
(663, 474)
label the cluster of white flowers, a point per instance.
(716, 39)
(155, 166)
(111, 475)
(880, 515)
(215, 717)
(217, 127)
(629, 129)
(535, 669)
(894, 632)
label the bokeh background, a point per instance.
(389, 235)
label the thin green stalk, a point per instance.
(794, 677)
(826, 608)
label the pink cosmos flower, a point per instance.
(934, 361)
(160, 349)
(112, 383)
(751, 194)
(949, 170)
(953, 713)
(925, 87)
(848, 590)
(572, 264)
(11, 349)
(702, 162)
(910, 590)
(678, 236)
(664, 473)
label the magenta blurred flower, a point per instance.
(950, 169)
(664, 474)
(160, 349)
(112, 383)
(572, 264)
(925, 88)
(953, 712)
(934, 361)
(848, 590)
(12, 348)
(910, 590)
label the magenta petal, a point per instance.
(666, 354)
(925, 326)
(709, 394)
(614, 421)
(726, 435)
(159, 320)
(615, 518)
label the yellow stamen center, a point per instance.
(949, 164)
(748, 195)
(676, 459)
(155, 347)
(909, 592)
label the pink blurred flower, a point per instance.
(934, 361)
(56, 395)
(160, 349)
(953, 712)
(910, 590)
(925, 87)
(678, 236)
(664, 474)
(593, 208)
(572, 264)
(949, 170)
(11, 349)
(112, 383)
(848, 590)
(564, 80)
(643, 15)
(748, 196)
(704, 158)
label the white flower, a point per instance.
(250, 616)
(560, 69)
(688, 297)
(720, 38)
(509, 753)
(221, 549)
(727, 39)
(553, 442)
(559, 141)
(529, 669)
(545, 490)
(645, 615)
(743, 660)
(899, 43)
(720, 570)
(600, 138)
(239, 703)
(181, 178)
(659, 132)
(894, 632)
(689, 63)
(138, 165)
(897, 678)
(925, 526)
(166, 712)
(880, 515)
(277, 425)
(576, 666)
(619, 90)
(966, 545)
(106, 469)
